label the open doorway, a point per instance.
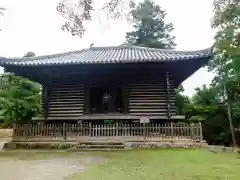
(106, 100)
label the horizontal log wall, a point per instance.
(145, 96)
(66, 100)
(150, 97)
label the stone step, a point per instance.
(96, 149)
(101, 143)
(102, 146)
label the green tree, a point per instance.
(226, 63)
(20, 98)
(150, 30)
(206, 106)
(181, 101)
(226, 21)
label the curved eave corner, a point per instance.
(3, 61)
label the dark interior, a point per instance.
(106, 100)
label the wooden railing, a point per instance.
(125, 132)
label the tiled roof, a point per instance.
(104, 55)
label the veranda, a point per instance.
(121, 132)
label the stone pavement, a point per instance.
(2, 141)
(53, 169)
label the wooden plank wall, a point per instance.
(66, 100)
(146, 97)
(149, 97)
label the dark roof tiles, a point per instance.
(101, 55)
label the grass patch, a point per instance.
(163, 164)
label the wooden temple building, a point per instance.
(109, 83)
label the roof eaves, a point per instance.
(27, 60)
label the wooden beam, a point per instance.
(125, 99)
(168, 87)
(87, 90)
(46, 101)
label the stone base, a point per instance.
(92, 144)
(137, 145)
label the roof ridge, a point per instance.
(151, 49)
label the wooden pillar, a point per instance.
(168, 88)
(125, 99)
(87, 98)
(46, 101)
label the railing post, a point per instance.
(116, 129)
(64, 131)
(200, 129)
(144, 132)
(90, 129)
(171, 131)
(14, 131)
(191, 130)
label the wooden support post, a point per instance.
(168, 86)
(46, 101)
(192, 131)
(125, 99)
(14, 131)
(116, 129)
(64, 131)
(171, 131)
(144, 132)
(87, 98)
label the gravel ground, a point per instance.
(54, 169)
(20, 166)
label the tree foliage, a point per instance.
(226, 63)
(29, 54)
(150, 29)
(181, 101)
(77, 12)
(19, 97)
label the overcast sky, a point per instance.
(34, 25)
